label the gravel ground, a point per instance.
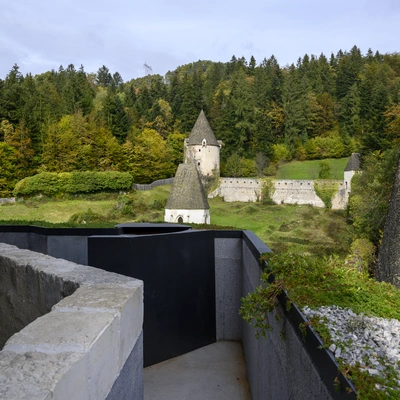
(372, 342)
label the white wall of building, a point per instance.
(187, 216)
(205, 157)
(348, 175)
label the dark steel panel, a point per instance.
(179, 286)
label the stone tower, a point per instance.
(187, 201)
(202, 149)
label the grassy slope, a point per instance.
(295, 228)
(60, 210)
(310, 169)
(303, 229)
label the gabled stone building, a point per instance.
(203, 149)
(187, 201)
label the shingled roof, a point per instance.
(202, 130)
(187, 192)
(354, 162)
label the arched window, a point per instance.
(204, 143)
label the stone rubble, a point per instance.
(371, 342)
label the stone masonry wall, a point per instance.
(286, 192)
(238, 189)
(85, 343)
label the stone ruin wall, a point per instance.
(238, 189)
(286, 192)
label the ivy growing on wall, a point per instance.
(267, 191)
(326, 190)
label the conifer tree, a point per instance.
(116, 119)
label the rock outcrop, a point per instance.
(388, 268)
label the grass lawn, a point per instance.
(310, 169)
(54, 211)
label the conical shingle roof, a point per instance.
(187, 192)
(202, 130)
(354, 162)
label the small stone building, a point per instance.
(353, 165)
(202, 148)
(187, 201)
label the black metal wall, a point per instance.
(178, 271)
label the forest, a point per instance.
(319, 107)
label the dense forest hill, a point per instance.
(70, 120)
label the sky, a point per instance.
(123, 35)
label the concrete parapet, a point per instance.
(283, 364)
(83, 338)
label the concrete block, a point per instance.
(124, 300)
(39, 376)
(71, 332)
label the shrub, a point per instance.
(237, 166)
(330, 146)
(270, 170)
(324, 170)
(249, 168)
(51, 183)
(362, 255)
(86, 217)
(267, 191)
(370, 194)
(281, 153)
(129, 205)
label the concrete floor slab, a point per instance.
(216, 371)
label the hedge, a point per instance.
(51, 183)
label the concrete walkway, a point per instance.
(215, 372)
